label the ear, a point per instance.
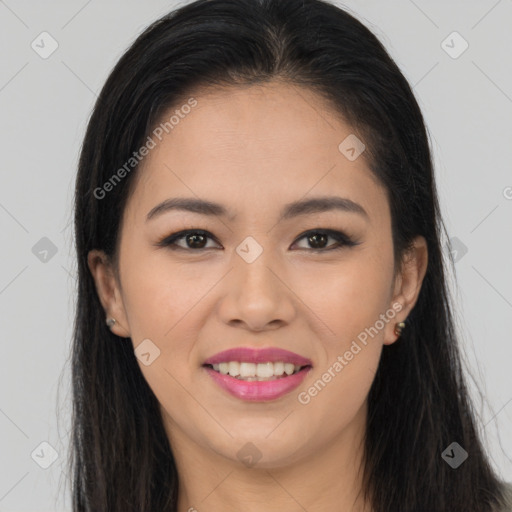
(407, 285)
(108, 290)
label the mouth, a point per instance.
(257, 372)
(257, 375)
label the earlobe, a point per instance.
(107, 289)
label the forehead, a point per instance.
(273, 121)
(267, 144)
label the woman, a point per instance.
(226, 354)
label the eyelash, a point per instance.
(341, 239)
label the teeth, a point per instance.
(234, 368)
(253, 371)
(278, 368)
(288, 368)
(265, 369)
(247, 370)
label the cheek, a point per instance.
(350, 299)
(349, 295)
(165, 303)
(350, 303)
(161, 305)
(157, 293)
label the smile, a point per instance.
(257, 374)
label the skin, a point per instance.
(255, 149)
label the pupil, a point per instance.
(195, 237)
(315, 238)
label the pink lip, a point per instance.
(263, 390)
(261, 355)
(258, 391)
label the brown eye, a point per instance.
(197, 240)
(193, 240)
(318, 240)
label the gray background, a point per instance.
(45, 104)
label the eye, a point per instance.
(318, 239)
(193, 238)
(197, 239)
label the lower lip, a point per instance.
(258, 391)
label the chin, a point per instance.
(262, 451)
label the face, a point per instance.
(259, 271)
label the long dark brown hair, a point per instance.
(121, 460)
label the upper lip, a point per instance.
(258, 355)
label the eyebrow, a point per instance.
(290, 210)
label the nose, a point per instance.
(256, 296)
